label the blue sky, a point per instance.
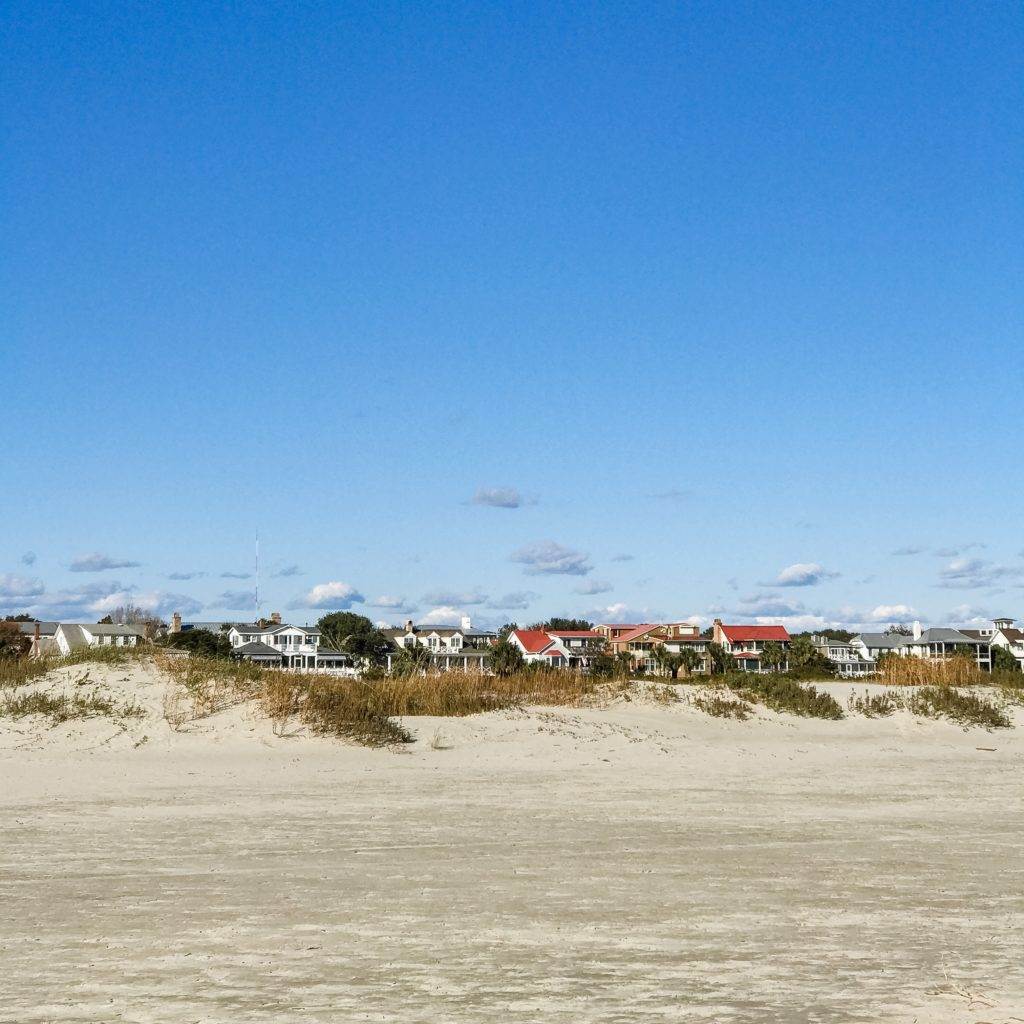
(514, 310)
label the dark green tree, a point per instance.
(1003, 660)
(200, 642)
(356, 635)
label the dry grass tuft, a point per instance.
(718, 705)
(934, 702)
(60, 708)
(956, 670)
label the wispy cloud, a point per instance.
(236, 575)
(236, 600)
(760, 605)
(101, 563)
(393, 604)
(803, 574)
(673, 494)
(334, 595)
(546, 558)
(29, 558)
(974, 573)
(953, 552)
(185, 575)
(594, 587)
(622, 558)
(287, 572)
(908, 549)
(18, 587)
(518, 600)
(498, 497)
(458, 598)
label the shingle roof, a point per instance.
(943, 635)
(74, 635)
(882, 639)
(576, 634)
(106, 629)
(45, 628)
(256, 649)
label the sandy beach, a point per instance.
(636, 862)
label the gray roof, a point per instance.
(257, 650)
(212, 627)
(106, 629)
(45, 628)
(882, 639)
(74, 635)
(327, 652)
(944, 635)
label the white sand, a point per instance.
(634, 863)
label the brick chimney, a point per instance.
(176, 622)
(718, 636)
(275, 618)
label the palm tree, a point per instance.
(689, 659)
(773, 655)
(505, 659)
(624, 663)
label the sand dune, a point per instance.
(638, 862)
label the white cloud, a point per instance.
(449, 597)
(889, 613)
(443, 616)
(803, 574)
(548, 558)
(594, 587)
(622, 612)
(101, 563)
(498, 497)
(333, 595)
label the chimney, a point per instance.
(176, 622)
(716, 635)
(467, 623)
(36, 640)
(275, 618)
(408, 625)
(917, 630)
